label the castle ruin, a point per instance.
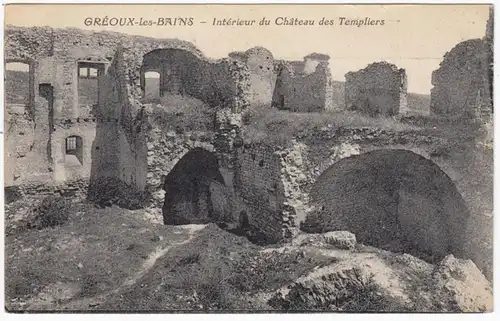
(91, 118)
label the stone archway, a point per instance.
(189, 186)
(393, 199)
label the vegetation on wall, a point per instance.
(264, 124)
(182, 113)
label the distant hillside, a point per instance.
(152, 88)
(16, 87)
(419, 103)
(338, 94)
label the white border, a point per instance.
(220, 317)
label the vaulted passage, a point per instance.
(392, 199)
(194, 190)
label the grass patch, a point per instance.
(182, 113)
(263, 124)
(217, 270)
(96, 249)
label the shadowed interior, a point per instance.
(393, 199)
(188, 197)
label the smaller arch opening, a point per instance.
(243, 220)
(191, 190)
(73, 151)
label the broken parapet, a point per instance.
(462, 86)
(463, 83)
(303, 86)
(378, 89)
(260, 64)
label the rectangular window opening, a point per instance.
(71, 145)
(88, 83)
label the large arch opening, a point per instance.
(178, 85)
(392, 199)
(178, 72)
(194, 190)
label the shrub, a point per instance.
(52, 211)
(183, 113)
(371, 299)
(12, 194)
(264, 124)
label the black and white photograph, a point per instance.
(248, 158)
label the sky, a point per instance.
(414, 37)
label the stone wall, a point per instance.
(304, 87)
(462, 84)
(114, 148)
(460, 169)
(218, 83)
(72, 167)
(259, 190)
(378, 89)
(262, 76)
(183, 73)
(53, 56)
(25, 155)
(35, 192)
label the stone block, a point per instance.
(341, 239)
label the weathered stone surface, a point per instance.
(379, 89)
(460, 286)
(304, 86)
(462, 83)
(383, 281)
(341, 239)
(322, 289)
(126, 155)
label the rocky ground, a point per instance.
(111, 259)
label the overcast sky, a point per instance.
(414, 37)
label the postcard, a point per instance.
(248, 158)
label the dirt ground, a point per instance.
(96, 251)
(115, 260)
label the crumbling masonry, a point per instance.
(379, 89)
(87, 121)
(463, 83)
